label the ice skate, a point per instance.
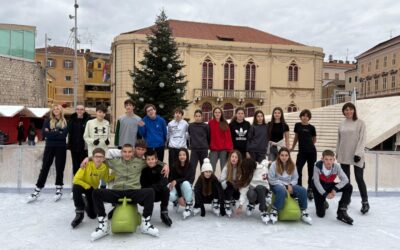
(265, 217)
(310, 194)
(147, 228)
(196, 211)
(78, 219)
(102, 230)
(215, 207)
(34, 196)
(165, 218)
(343, 216)
(249, 209)
(268, 199)
(188, 210)
(365, 207)
(228, 209)
(58, 194)
(305, 217)
(273, 215)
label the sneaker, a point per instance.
(365, 207)
(310, 194)
(265, 217)
(228, 209)
(34, 196)
(147, 228)
(215, 207)
(165, 218)
(102, 230)
(249, 209)
(343, 216)
(188, 210)
(305, 217)
(58, 194)
(78, 218)
(273, 215)
(196, 211)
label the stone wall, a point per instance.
(21, 83)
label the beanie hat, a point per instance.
(206, 165)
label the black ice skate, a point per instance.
(343, 216)
(165, 218)
(365, 207)
(78, 219)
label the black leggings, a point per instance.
(359, 174)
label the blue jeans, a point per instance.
(280, 195)
(186, 190)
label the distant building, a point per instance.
(97, 84)
(228, 66)
(21, 79)
(333, 81)
(378, 70)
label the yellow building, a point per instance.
(378, 70)
(97, 85)
(60, 75)
(228, 66)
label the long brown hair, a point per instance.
(223, 124)
(280, 166)
(229, 166)
(207, 184)
(247, 171)
(271, 123)
(182, 169)
(255, 122)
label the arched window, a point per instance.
(207, 111)
(293, 72)
(249, 110)
(207, 77)
(292, 107)
(228, 110)
(250, 81)
(229, 78)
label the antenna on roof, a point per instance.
(347, 54)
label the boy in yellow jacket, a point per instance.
(85, 181)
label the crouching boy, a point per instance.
(325, 187)
(153, 178)
(85, 181)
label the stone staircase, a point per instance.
(326, 121)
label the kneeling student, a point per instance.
(208, 190)
(153, 178)
(325, 187)
(253, 187)
(85, 181)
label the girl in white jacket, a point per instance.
(253, 187)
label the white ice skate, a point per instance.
(249, 209)
(58, 194)
(215, 207)
(268, 199)
(33, 196)
(188, 210)
(305, 217)
(273, 216)
(196, 211)
(147, 228)
(265, 217)
(102, 230)
(228, 209)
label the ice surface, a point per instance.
(46, 225)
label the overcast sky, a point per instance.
(336, 26)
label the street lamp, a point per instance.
(46, 39)
(75, 29)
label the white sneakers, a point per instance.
(147, 228)
(102, 230)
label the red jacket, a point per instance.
(219, 139)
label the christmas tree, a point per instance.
(159, 79)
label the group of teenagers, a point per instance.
(255, 162)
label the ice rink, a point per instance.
(46, 225)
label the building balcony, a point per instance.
(98, 94)
(199, 94)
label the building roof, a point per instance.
(339, 65)
(219, 32)
(58, 50)
(380, 46)
(9, 26)
(11, 111)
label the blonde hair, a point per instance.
(280, 168)
(62, 123)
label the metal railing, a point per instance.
(20, 167)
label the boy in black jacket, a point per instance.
(152, 177)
